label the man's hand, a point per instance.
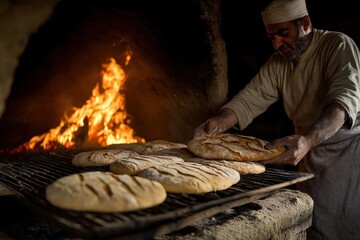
(217, 124)
(296, 148)
(332, 117)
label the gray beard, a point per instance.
(301, 44)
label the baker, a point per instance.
(316, 75)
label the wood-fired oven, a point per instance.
(181, 59)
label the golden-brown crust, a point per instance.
(102, 157)
(191, 177)
(235, 147)
(147, 147)
(104, 192)
(182, 153)
(243, 167)
(136, 162)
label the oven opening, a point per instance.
(96, 73)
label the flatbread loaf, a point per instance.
(241, 166)
(191, 177)
(147, 147)
(102, 157)
(136, 162)
(158, 145)
(137, 147)
(228, 146)
(104, 192)
(182, 153)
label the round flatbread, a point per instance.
(137, 147)
(182, 153)
(104, 192)
(158, 145)
(191, 177)
(102, 157)
(232, 147)
(241, 166)
(134, 163)
(147, 147)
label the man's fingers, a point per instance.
(274, 144)
(211, 127)
(207, 127)
(281, 159)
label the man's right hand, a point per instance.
(217, 124)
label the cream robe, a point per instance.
(328, 71)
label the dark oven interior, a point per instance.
(176, 77)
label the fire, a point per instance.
(101, 120)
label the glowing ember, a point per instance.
(102, 119)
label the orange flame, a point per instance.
(102, 119)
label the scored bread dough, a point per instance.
(158, 145)
(99, 157)
(182, 153)
(241, 166)
(229, 146)
(136, 162)
(147, 147)
(104, 192)
(137, 147)
(108, 155)
(191, 177)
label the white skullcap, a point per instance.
(283, 11)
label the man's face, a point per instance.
(288, 39)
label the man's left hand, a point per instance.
(296, 148)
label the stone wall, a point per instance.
(18, 20)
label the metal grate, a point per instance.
(31, 173)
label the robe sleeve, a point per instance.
(256, 97)
(343, 75)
